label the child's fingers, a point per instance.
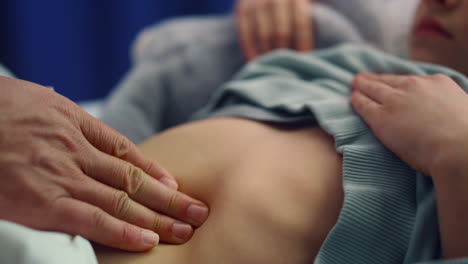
(388, 79)
(374, 89)
(283, 23)
(302, 25)
(264, 26)
(245, 29)
(367, 108)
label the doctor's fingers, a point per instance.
(79, 218)
(144, 189)
(107, 140)
(118, 204)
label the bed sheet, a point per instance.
(22, 245)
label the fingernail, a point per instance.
(149, 238)
(169, 182)
(182, 231)
(197, 213)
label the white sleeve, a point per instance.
(22, 245)
(5, 72)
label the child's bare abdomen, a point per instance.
(274, 193)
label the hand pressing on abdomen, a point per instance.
(63, 170)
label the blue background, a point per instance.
(81, 47)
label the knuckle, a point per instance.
(125, 235)
(65, 108)
(173, 202)
(121, 147)
(133, 179)
(157, 223)
(97, 219)
(150, 166)
(66, 138)
(413, 79)
(121, 204)
(48, 162)
(411, 82)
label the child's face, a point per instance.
(440, 33)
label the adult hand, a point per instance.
(422, 119)
(265, 25)
(63, 170)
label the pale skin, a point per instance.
(63, 170)
(420, 118)
(266, 25)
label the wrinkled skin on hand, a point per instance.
(265, 25)
(422, 119)
(63, 170)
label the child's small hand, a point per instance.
(265, 25)
(422, 119)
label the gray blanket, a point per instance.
(185, 60)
